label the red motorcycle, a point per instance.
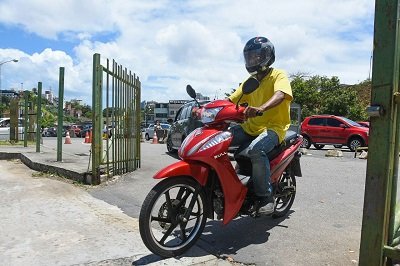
(205, 183)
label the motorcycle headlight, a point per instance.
(217, 139)
(208, 115)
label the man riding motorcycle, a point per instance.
(268, 117)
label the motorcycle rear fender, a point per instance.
(195, 169)
(295, 164)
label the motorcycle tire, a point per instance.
(284, 195)
(173, 216)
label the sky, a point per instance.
(171, 43)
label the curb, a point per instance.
(75, 176)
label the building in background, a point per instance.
(161, 112)
(173, 107)
(49, 96)
(8, 93)
(200, 97)
(164, 112)
(149, 113)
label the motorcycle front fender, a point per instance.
(195, 169)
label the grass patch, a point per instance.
(61, 178)
(13, 143)
(38, 174)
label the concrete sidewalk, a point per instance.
(46, 221)
(74, 164)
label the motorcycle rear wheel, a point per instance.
(173, 216)
(285, 194)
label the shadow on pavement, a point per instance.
(223, 241)
(147, 260)
(193, 252)
(226, 240)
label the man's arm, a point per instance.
(275, 100)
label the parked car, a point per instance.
(50, 132)
(183, 124)
(149, 132)
(5, 128)
(320, 130)
(85, 128)
(363, 123)
(77, 130)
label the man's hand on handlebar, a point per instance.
(251, 111)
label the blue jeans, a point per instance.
(258, 148)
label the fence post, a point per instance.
(39, 117)
(26, 117)
(382, 166)
(97, 119)
(60, 113)
(14, 115)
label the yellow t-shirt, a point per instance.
(276, 118)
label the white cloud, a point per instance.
(172, 43)
(44, 67)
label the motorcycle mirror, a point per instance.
(191, 91)
(250, 85)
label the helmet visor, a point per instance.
(254, 57)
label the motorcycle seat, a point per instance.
(290, 138)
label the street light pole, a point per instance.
(2, 63)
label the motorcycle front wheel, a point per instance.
(173, 216)
(284, 195)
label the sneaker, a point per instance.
(266, 207)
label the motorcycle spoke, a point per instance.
(180, 193)
(191, 204)
(160, 219)
(195, 214)
(168, 201)
(167, 234)
(196, 217)
(281, 201)
(183, 200)
(183, 231)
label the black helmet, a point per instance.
(259, 54)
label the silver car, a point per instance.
(149, 132)
(5, 128)
(183, 124)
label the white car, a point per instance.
(149, 132)
(5, 128)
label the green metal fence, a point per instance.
(116, 120)
(25, 118)
(379, 218)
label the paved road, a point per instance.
(323, 227)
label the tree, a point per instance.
(3, 108)
(306, 93)
(48, 119)
(323, 95)
(86, 111)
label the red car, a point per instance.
(77, 129)
(363, 123)
(320, 130)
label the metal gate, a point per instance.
(116, 120)
(380, 227)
